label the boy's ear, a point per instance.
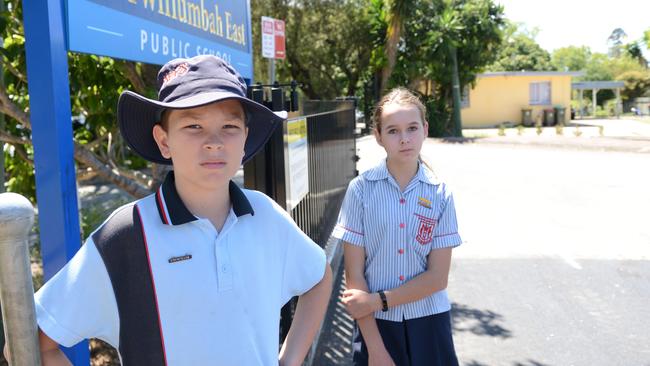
(160, 135)
(426, 128)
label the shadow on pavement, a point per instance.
(530, 363)
(479, 322)
(335, 347)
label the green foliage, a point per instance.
(338, 47)
(637, 84)
(472, 27)
(95, 85)
(19, 171)
(329, 44)
(601, 67)
(570, 58)
(633, 50)
(520, 52)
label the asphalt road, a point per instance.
(555, 268)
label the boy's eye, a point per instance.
(413, 128)
(391, 131)
(193, 127)
(230, 126)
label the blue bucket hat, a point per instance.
(189, 83)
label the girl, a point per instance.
(398, 225)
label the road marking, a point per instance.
(570, 261)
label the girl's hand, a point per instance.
(380, 358)
(360, 303)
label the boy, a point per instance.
(196, 273)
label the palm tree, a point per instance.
(451, 27)
(395, 17)
(616, 40)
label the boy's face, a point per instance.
(205, 144)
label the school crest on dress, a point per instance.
(425, 229)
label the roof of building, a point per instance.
(531, 73)
(597, 85)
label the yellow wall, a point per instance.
(498, 99)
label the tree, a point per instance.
(397, 13)
(615, 41)
(95, 84)
(633, 50)
(329, 44)
(570, 58)
(520, 52)
(601, 67)
(637, 84)
(425, 64)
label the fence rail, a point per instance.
(332, 164)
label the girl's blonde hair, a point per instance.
(401, 96)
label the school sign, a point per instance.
(156, 31)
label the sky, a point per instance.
(564, 23)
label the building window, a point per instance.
(464, 97)
(540, 93)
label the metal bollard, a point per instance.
(16, 288)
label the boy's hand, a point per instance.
(360, 303)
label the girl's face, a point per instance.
(402, 132)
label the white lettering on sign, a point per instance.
(158, 43)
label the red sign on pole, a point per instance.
(279, 39)
(273, 38)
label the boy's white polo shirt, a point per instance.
(207, 297)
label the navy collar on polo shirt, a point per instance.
(173, 211)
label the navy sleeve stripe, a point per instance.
(122, 245)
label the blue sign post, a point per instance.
(152, 31)
(49, 102)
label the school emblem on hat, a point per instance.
(425, 229)
(424, 202)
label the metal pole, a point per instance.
(582, 116)
(271, 71)
(619, 107)
(16, 288)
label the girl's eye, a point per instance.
(413, 128)
(392, 131)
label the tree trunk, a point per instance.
(393, 35)
(458, 129)
(86, 157)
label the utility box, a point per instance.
(549, 117)
(560, 115)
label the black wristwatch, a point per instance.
(384, 302)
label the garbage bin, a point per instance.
(549, 117)
(527, 117)
(560, 115)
